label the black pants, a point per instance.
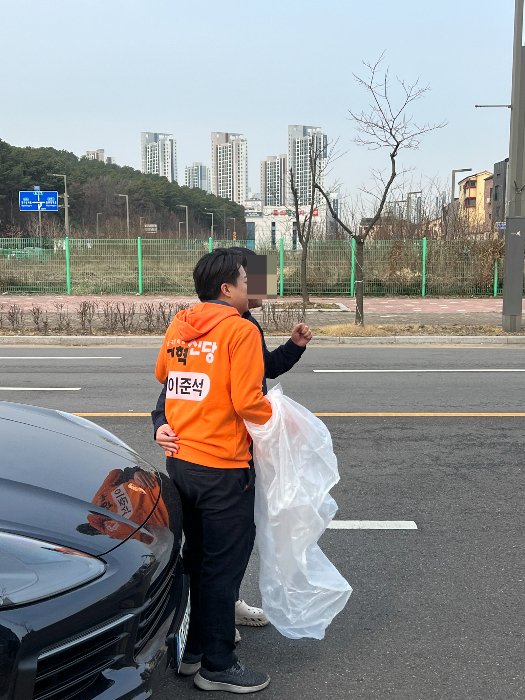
(217, 508)
(252, 536)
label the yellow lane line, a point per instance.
(410, 415)
(338, 415)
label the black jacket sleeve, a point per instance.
(282, 359)
(158, 416)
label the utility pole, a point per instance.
(99, 213)
(211, 214)
(183, 206)
(234, 231)
(66, 201)
(515, 226)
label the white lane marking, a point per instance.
(62, 357)
(386, 371)
(372, 525)
(45, 388)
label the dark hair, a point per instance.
(243, 252)
(214, 269)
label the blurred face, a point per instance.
(237, 296)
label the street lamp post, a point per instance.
(99, 213)
(453, 193)
(223, 217)
(183, 206)
(66, 201)
(210, 213)
(127, 209)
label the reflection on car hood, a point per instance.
(72, 478)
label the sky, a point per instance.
(86, 74)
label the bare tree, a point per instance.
(309, 202)
(382, 125)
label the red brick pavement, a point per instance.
(373, 305)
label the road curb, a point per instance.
(154, 341)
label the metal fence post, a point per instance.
(139, 255)
(496, 277)
(353, 269)
(68, 268)
(424, 277)
(211, 244)
(281, 267)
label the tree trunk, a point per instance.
(304, 288)
(359, 280)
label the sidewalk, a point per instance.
(404, 310)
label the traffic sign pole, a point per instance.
(68, 269)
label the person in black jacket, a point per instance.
(276, 362)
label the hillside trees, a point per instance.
(92, 188)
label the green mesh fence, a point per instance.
(38, 265)
(450, 262)
(102, 266)
(167, 266)
(33, 265)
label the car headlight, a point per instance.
(31, 570)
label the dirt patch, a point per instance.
(349, 330)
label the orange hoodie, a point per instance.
(213, 362)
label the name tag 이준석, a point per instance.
(188, 386)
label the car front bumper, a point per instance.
(133, 683)
(110, 640)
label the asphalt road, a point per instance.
(436, 612)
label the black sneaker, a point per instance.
(190, 664)
(236, 679)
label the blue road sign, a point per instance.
(38, 201)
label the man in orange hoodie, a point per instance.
(212, 362)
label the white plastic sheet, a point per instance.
(301, 589)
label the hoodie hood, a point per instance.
(189, 324)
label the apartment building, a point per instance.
(473, 198)
(159, 154)
(96, 155)
(302, 142)
(198, 175)
(273, 181)
(229, 166)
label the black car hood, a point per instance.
(69, 481)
